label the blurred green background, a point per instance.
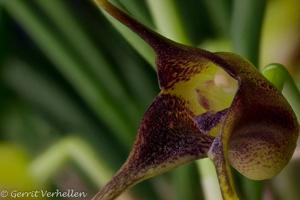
(74, 85)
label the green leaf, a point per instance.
(219, 12)
(246, 28)
(167, 20)
(186, 180)
(60, 14)
(62, 58)
(55, 105)
(142, 48)
(138, 9)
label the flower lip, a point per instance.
(209, 120)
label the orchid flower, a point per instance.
(255, 133)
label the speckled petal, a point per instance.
(252, 128)
(183, 71)
(168, 137)
(261, 129)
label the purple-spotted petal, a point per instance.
(168, 137)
